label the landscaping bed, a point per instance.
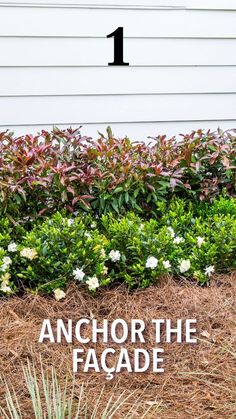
(199, 380)
(110, 229)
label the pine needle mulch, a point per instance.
(199, 380)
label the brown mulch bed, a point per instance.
(199, 380)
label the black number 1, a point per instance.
(118, 47)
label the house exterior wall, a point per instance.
(54, 66)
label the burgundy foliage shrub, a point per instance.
(62, 169)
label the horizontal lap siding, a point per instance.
(92, 52)
(125, 108)
(36, 21)
(115, 81)
(190, 4)
(165, 4)
(182, 73)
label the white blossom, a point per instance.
(209, 270)
(166, 264)
(4, 267)
(92, 283)
(78, 274)
(200, 241)
(105, 270)
(5, 283)
(59, 294)
(12, 247)
(171, 231)
(7, 261)
(184, 265)
(70, 221)
(103, 253)
(28, 253)
(5, 288)
(151, 262)
(5, 278)
(114, 255)
(178, 240)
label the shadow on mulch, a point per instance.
(199, 380)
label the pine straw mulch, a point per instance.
(199, 380)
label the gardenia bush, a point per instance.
(184, 240)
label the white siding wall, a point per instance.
(54, 58)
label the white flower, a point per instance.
(12, 247)
(4, 267)
(7, 261)
(209, 270)
(78, 274)
(5, 288)
(171, 231)
(70, 222)
(200, 241)
(178, 240)
(88, 235)
(103, 253)
(28, 253)
(92, 283)
(184, 266)
(166, 264)
(59, 294)
(114, 255)
(5, 278)
(105, 270)
(151, 262)
(5, 283)
(94, 225)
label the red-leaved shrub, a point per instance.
(62, 169)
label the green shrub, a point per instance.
(183, 240)
(221, 205)
(208, 241)
(62, 246)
